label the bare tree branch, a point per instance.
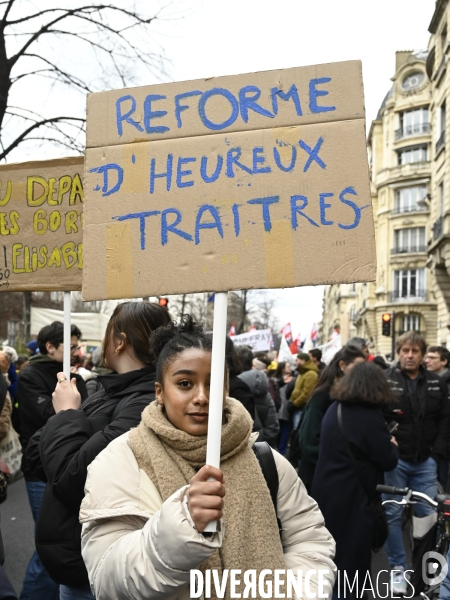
(7, 10)
(115, 38)
(33, 127)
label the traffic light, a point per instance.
(164, 302)
(386, 319)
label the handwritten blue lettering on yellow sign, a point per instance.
(257, 167)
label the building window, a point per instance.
(411, 322)
(410, 240)
(409, 284)
(413, 80)
(441, 199)
(441, 128)
(407, 198)
(412, 155)
(413, 122)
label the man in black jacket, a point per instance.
(422, 411)
(37, 382)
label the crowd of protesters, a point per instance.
(114, 459)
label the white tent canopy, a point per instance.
(92, 325)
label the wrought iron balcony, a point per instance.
(441, 142)
(437, 228)
(408, 209)
(411, 248)
(410, 130)
(417, 295)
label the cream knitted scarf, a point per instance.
(170, 457)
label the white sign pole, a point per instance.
(217, 386)
(67, 336)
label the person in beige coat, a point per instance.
(148, 497)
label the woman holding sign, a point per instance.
(149, 496)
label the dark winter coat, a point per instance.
(309, 435)
(3, 390)
(266, 422)
(67, 445)
(13, 380)
(424, 434)
(240, 391)
(445, 375)
(37, 382)
(338, 491)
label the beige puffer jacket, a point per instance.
(135, 547)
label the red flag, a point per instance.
(286, 331)
(232, 330)
(295, 347)
(252, 328)
(314, 334)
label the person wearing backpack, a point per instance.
(144, 531)
(70, 440)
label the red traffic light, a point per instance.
(164, 302)
(386, 319)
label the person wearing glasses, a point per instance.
(36, 385)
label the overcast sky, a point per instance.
(224, 37)
(238, 36)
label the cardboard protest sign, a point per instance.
(251, 181)
(259, 340)
(41, 225)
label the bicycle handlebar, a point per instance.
(411, 496)
(388, 489)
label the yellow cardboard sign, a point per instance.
(251, 181)
(41, 225)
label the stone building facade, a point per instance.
(439, 243)
(400, 158)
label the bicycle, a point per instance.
(441, 505)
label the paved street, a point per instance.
(17, 530)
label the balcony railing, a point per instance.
(406, 249)
(400, 296)
(441, 142)
(438, 228)
(407, 209)
(410, 130)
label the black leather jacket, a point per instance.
(423, 431)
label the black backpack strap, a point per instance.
(264, 454)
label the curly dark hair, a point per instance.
(170, 341)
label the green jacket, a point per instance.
(305, 383)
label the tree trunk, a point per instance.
(243, 312)
(26, 316)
